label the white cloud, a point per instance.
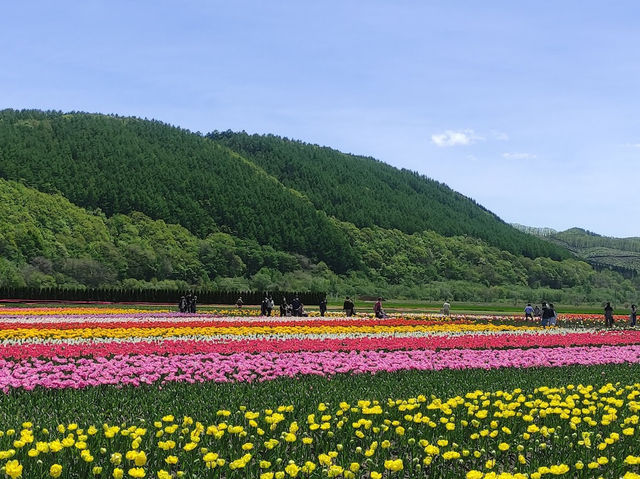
(500, 135)
(519, 156)
(454, 138)
(632, 145)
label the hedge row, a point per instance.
(116, 295)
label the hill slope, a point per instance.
(368, 193)
(602, 251)
(121, 165)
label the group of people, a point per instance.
(547, 314)
(266, 306)
(187, 303)
(295, 308)
(549, 317)
(608, 315)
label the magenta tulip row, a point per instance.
(194, 368)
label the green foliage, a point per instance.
(579, 238)
(73, 247)
(420, 258)
(369, 193)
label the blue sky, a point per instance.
(531, 108)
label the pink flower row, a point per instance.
(194, 368)
(243, 345)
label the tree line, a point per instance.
(119, 295)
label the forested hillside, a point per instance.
(121, 165)
(368, 193)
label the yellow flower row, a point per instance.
(54, 333)
(74, 311)
(479, 434)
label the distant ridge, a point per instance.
(621, 254)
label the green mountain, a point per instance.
(95, 200)
(122, 165)
(368, 193)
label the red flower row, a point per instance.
(470, 341)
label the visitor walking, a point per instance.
(608, 315)
(269, 305)
(296, 306)
(547, 313)
(377, 309)
(446, 307)
(283, 307)
(528, 312)
(187, 303)
(553, 320)
(239, 303)
(349, 307)
(323, 306)
(182, 304)
(634, 315)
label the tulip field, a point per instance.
(119, 393)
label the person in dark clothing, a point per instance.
(547, 314)
(553, 320)
(633, 316)
(537, 312)
(296, 306)
(323, 306)
(349, 307)
(263, 306)
(283, 307)
(608, 315)
(182, 304)
(269, 305)
(193, 303)
(377, 309)
(239, 303)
